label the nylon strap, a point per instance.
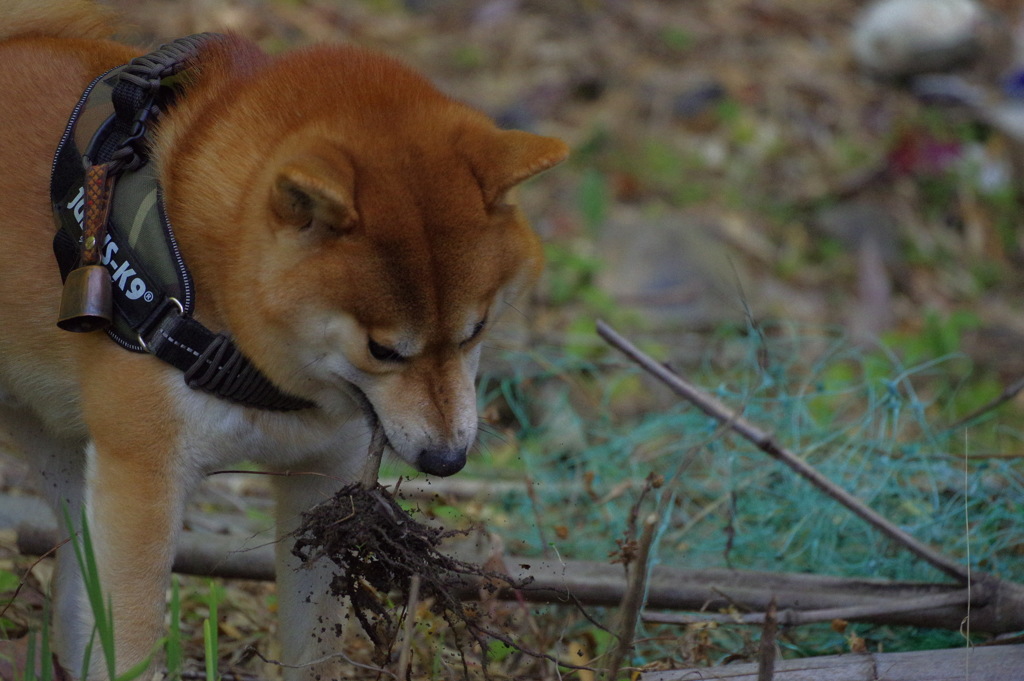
(212, 363)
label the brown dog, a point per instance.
(347, 236)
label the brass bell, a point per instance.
(85, 304)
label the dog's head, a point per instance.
(372, 242)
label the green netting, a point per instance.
(588, 432)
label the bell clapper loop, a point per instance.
(86, 303)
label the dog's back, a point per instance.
(54, 19)
(50, 49)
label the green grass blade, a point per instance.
(173, 648)
(210, 645)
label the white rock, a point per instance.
(897, 38)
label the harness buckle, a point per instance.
(155, 320)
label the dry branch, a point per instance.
(374, 456)
(601, 584)
(766, 648)
(794, 617)
(409, 628)
(1009, 392)
(632, 599)
(468, 489)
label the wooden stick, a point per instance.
(870, 611)
(767, 444)
(409, 628)
(669, 588)
(1009, 392)
(766, 649)
(371, 470)
(632, 599)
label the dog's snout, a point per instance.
(441, 461)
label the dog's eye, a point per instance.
(477, 330)
(383, 353)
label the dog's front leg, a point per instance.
(62, 472)
(135, 489)
(307, 613)
(60, 464)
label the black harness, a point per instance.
(151, 289)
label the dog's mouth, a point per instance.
(366, 406)
(439, 461)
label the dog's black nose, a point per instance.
(442, 461)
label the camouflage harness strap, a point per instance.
(117, 221)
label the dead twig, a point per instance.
(326, 658)
(766, 650)
(24, 580)
(996, 608)
(633, 598)
(1009, 392)
(405, 654)
(767, 443)
(794, 617)
(371, 470)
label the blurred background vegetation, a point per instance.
(812, 243)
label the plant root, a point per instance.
(377, 548)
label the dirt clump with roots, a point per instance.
(378, 549)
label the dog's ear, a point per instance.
(502, 159)
(315, 196)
